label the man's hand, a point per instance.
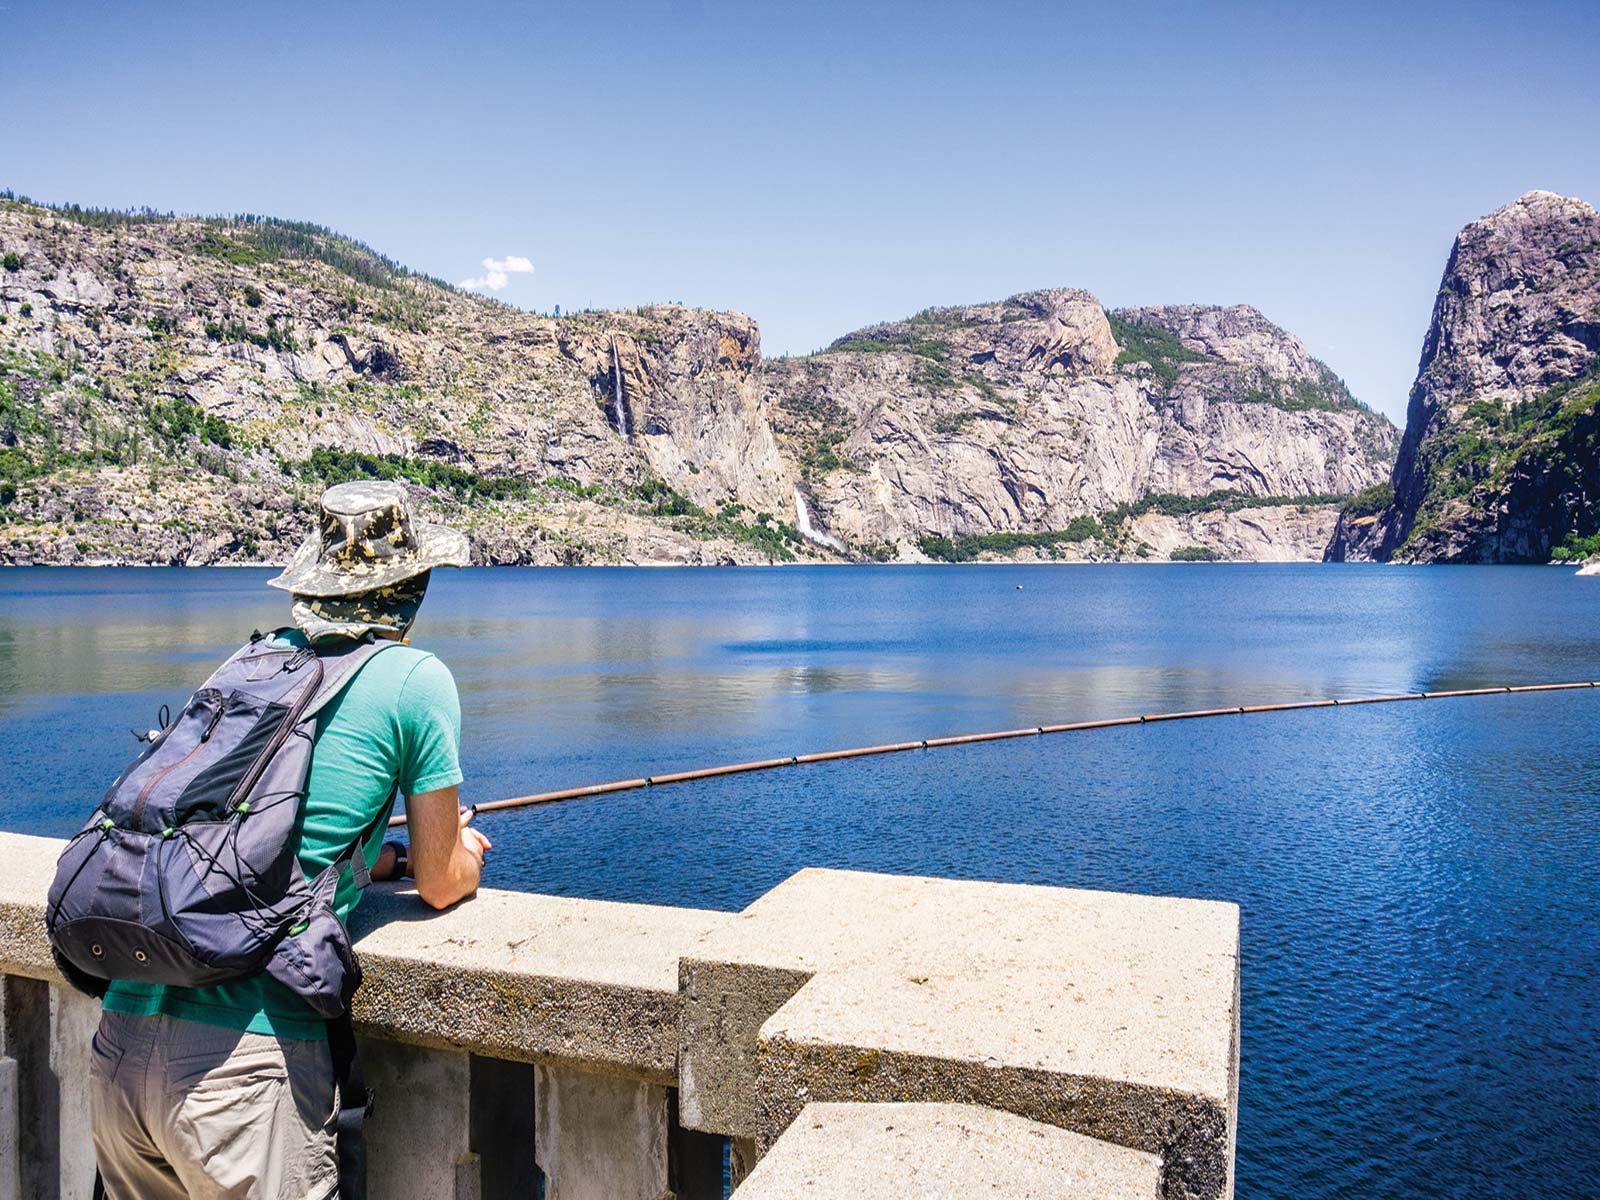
(473, 842)
(446, 853)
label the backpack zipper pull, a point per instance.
(212, 724)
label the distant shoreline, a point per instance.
(1592, 569)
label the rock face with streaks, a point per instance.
(1501, 456)
(177, 390)
(1028, 413)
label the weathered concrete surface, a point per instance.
(45, 1034)
(73, 1020)
(598, 1137)
(10, 1132)
(417, 1136)
(1112, 1015)
(30, 866)
(507, 975)
(531, 978)
(724, 1007)
(25, 1040)
(936, 1151)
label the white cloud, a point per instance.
(497, 272)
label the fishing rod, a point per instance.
(968, 739)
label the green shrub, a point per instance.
(252, 295)
(1225, 500)
(175, 420)
(275, 338)
(326, 466)
(1154, 345)
(12, 261)
(1301, 395)
(582, 491)
(1194, 554)
(27, 310)
(774, 538)
(1577, 549)
(968, 547)
(1371, 502)
(891, 342)
(665, 501)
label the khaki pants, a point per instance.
(184, 1111)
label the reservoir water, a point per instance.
(1420, 883)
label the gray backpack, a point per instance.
(187, 873)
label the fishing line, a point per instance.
(968, 739)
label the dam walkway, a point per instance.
(846, 1034)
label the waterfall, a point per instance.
(802, 522)
(619, 410)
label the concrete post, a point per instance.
(26, 1030)
(418, 1135)
(599, 1137)
(10, 1147)
(73, 1020)
(741, 1160)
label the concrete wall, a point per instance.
(625, 1050)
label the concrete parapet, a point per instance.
(653, 1033)
(917, 1151)
(532, 978)
(23, 886)
(1111, 1015)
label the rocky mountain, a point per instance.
(178, 390)
(1022, 416)
(1501, 456)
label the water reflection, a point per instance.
(1417, 881)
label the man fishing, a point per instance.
(229, 1090)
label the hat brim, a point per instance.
(437, 546)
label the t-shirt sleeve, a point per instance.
(430, 729)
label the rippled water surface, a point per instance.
(1419, 882)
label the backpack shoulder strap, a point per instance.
(339, 668)
(355, 1105)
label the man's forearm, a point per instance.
(460, 880)
(447, 854)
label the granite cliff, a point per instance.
(178, 390)
(1500, 461)
(1044, 413)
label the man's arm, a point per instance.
(446, 852)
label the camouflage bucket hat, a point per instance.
(366, 540)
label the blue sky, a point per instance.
(821, 166)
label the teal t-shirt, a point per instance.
(397, 723)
